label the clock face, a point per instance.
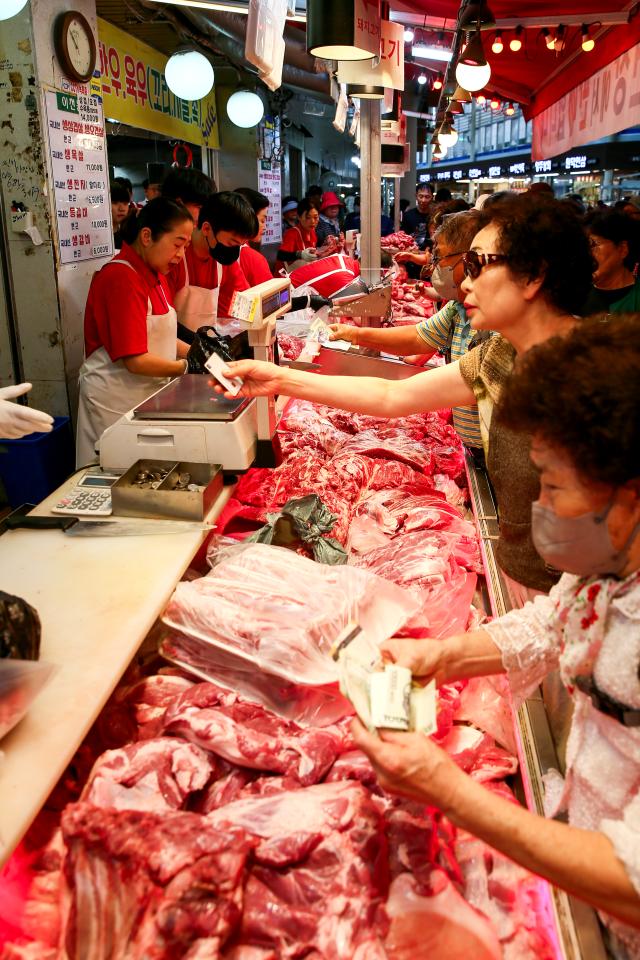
(79, 47)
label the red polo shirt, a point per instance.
(203, 273)
(115, 315)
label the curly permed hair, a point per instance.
(545, 239)
(580, 394)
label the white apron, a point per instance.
(197, 306)
(108, 390)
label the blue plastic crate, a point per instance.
(32, 467)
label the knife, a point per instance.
(73, 527)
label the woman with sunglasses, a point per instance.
(528, 271)
(575, 396)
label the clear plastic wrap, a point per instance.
(20, 683)
(283, 612)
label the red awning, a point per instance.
(535, 76)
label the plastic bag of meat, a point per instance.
(283, 612)
(303, 522)
(307, 705)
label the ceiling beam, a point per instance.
(506, 23)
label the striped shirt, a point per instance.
(449, 329)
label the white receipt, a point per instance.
(218, 368)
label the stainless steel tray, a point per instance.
(354, 364)
(189, 398)
(129, 500)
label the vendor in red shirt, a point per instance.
(299, 243)
(130, 328)
(225, 222)
(253, 264)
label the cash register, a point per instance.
(186, 421)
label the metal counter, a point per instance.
(577, 926)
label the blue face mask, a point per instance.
(580, 545)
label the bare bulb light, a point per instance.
(408, 35)
(588, 43)
(437, 83)
(515, 43)
(497, 46)
(510, 110)
(189, 75)
(494, 104)
(472, 70)
(422, 79)
(9, 8)
(549, 39)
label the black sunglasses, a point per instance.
(475, 262)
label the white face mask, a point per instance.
(443, 283)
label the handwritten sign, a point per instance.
(269, 183)
(390, 71)
(75, 128)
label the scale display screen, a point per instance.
(275, 301)
(94, 480)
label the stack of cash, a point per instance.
(384, 695)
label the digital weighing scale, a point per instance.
(186, 421)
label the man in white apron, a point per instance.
(226, 221)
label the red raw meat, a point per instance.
(392, 443)
(247, 734)
(150, 886)
(138, 705)
(436, 922)
(486, 703)
(321, 876)
(290, 347)
(152, 775)
(298, 608)
(352, 765)
(477, 754)
(399, 240)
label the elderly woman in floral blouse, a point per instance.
(578, 396)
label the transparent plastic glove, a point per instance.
(16, 420)
(309, 254)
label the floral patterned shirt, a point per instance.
(590, 628)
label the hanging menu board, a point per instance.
(269, 183)
(80, 174)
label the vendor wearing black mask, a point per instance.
(226, 221)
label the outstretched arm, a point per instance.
(432, 390)
(582, 862)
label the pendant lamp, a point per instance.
(189, 74)
(455, 107)
(447, 135)
(365, 91)
(333, 32)
(461, 95)
(245, 108)
(9, 8)
(472, 71)
(476, 11)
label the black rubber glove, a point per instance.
(205, 342)
(306, 300)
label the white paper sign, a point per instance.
(269, 183)
(390, 70)
(80, 172)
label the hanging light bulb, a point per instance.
(494, 104)
(462, 96)
(497, 46)
(439, 152)
(472, 71)
(481, 100)
(408, 35)
(447, 134)
(558, 43)
(510, 110)
(549, 39)
(588, 43)
(10, 8)
(422, 79)
(189, 74)
(515, 43)
(455, 107)
(245, 108)
(437, 83)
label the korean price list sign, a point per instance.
(80, 173)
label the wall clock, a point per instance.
(75, 46)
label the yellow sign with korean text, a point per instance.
(134, 91)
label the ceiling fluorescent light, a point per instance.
(423, 52)
(226, 6)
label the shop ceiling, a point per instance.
(533, 76)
